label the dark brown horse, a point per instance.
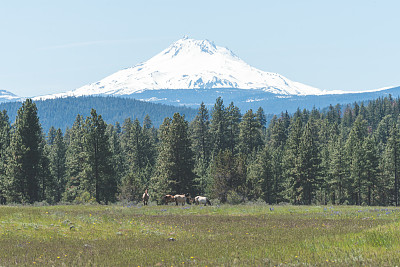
(167, 199)
(145, 198)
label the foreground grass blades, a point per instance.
(196, 235)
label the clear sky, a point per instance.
(49, 46)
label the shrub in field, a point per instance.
(257, 202)
(215, 201)
(40, 204)
(84, 198)
(234, 198)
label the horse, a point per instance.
(167, 199)
(145, 198)
(202, 200)
(190, 200)
(181, 199)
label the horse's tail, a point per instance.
(208, 202)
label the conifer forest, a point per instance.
(340, 155)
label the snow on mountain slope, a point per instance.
(191, 64)
(7, 96)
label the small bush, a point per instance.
(234, 198)
(257, 202)
(84, 198)
(41, 204)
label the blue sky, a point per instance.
(55, 46)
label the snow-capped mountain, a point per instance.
(7, 96)
(192, 64)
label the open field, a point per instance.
(255, 235)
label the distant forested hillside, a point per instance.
(61, 112)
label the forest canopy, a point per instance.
(342, 155)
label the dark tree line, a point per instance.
(341, 155)
(112, 109)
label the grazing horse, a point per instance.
(167, 199)
(181, 199)
(202, 200)
(145, 197)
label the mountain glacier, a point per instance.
(192, 64)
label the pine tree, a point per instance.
(4, 144)
(291, 154)
(307, 165)
(57, 165)
(393, 161)
(262, 119)
(276, 139)
(355, 155)
(348, 117)
(200, 133)
(233, 129)
(139, 151)
(337, 170)
(250, 133)
(51, 136)
(175, 163)
(383, 129)
(118, 159)
(149, 128)
(324, 136)
(279, 186)
(201, 145)
(75, 161)
(260, 180)
(25, 155)
(224, 172)
(278, 133)
(100, 180)
(371, 168)
(357, 178)
(219, 127)
(161, 182)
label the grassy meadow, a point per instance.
(243, 235)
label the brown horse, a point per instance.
(167, 199)
(145, 198)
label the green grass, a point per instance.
(243, 235)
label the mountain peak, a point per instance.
(187, 46)
(192, 64)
